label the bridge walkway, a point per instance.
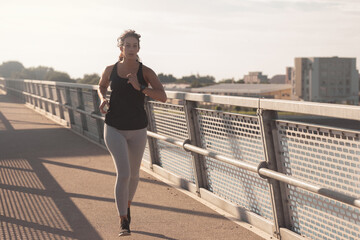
(54, 184)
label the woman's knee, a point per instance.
(122, 177)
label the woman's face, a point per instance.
(130, 48)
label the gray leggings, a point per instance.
(126, 148)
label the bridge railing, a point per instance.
(290, 178)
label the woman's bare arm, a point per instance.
(103, 86)
(156, 91)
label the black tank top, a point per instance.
(126, 111)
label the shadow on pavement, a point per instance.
(154, 235)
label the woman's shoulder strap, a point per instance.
(114, 70)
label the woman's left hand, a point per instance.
(133, 80)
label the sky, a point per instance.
(222, 38)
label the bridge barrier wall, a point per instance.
(290, 178)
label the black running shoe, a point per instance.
(128, 215)
(125, 228)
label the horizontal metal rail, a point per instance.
(263, 171)
(318, 127)
(302, 107)
(38, 97)
(91, 114)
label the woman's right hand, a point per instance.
(104, 103)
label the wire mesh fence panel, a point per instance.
(325, 157)
(170, 121)
(238, 137)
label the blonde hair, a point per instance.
(121, 41)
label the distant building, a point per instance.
(332, 80)
(278, 91)
(289, 74)
(278, 79)
(255, 77)
(183, 87)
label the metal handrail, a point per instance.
(91, 114)
(302, 107)
(263, 171)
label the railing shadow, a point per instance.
(9, 99)
(178, 210)
(46, 142)
(4, 123)
(154, 235)
(33, 204)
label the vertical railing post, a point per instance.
(99, 122)
(152, 142)
(81, 107)
(267, 120)
(44, 95)
(60, 101)
(26, 97)
(39, 102)
(51, 96)
(41, 94)
(195, 139)
(6, 84)
(28, 90)
(34, 91)
(31, 99)
(70, 106)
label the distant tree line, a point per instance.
(16, 70)
(92, 79)
(195, 80)
(231, 80)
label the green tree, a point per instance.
(164, 78)
(38, 73)
(89, 79)
(198, 80)
(187, 79)
(14, 69)
(11, 69)
(230, 80)
(195, 84)
(208, 80)
(59, 77)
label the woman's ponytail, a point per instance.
(121, 57)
